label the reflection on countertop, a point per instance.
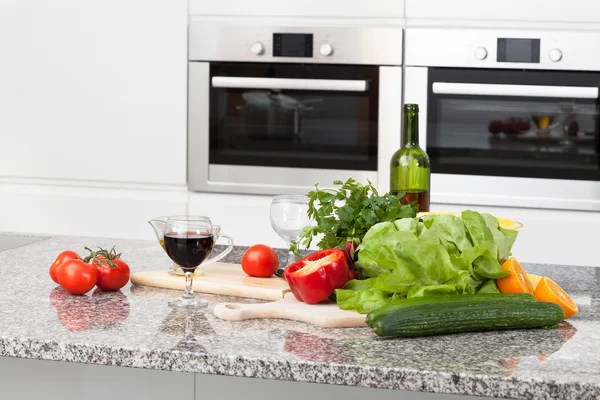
(135, 327)
(98, 310)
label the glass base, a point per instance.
(177, 271)
(192, 302)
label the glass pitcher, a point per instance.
(159, 224)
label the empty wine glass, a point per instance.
(288, 217)
(188, 240)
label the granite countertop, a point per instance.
(136, 328)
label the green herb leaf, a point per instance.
(348, 212)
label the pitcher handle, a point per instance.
(221, 254)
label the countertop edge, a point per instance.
(302, 371)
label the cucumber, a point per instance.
(457, 316)
(399, 304)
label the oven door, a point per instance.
(282, 128)
(512, 137)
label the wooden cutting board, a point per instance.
(219, 278)
(325, 315)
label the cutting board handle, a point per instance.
(239, 312)
(325, 315)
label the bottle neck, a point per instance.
(410, 131)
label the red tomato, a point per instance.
(111, 277)
(60, 259)
(260, 260)
(77, 276)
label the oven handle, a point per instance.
(479, 89)
(234, 82)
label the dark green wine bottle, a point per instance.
(410, 171)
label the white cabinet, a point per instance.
(327, 9)
(94, 90)
(53, 380)
(230, 387)
(86, 211)
(479, 11)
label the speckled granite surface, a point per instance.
(136, 328)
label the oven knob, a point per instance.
(326, 49)
(555, 55)
(480, 53)
(257, 48)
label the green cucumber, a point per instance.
(458, 316)
(399, 304)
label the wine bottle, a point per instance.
(410, 171)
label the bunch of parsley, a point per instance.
(345, 215)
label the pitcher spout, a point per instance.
(158, 224)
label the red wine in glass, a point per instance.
(188, 250)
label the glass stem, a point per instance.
(291, 259)
(189, 288)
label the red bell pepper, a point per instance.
(317, 275)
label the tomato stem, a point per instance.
(103, 256)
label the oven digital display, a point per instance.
(518, 50)
(292, 45)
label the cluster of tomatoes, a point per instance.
(102, 268)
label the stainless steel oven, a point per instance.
(511, 117)
(276, 109)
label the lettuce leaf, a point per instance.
(449, 231)
(416, 291)
(363, 301)
(442, 254)
(476, 227)
(483, 260)
(489, 287)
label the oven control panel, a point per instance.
(293, 45)
(210, 41)
(502, 48)
(518, 50)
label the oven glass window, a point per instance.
(544, 126)
(283, 127)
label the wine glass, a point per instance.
(188, 241)
(288, 217)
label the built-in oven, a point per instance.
(511, 117)
(278, 109)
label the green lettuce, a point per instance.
(363, 301)
(442, 254)
(489, 287)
